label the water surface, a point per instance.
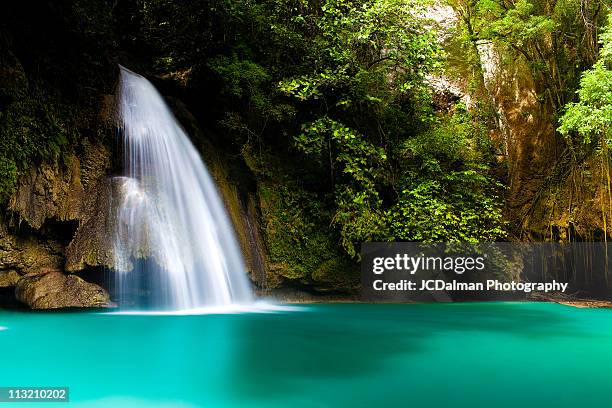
(341, 355)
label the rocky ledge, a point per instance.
(54, 289)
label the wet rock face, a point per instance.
(9, 278)
(527, 128)
(53, 290)
(79, 191)
(20, 256)
(61, 193)
(92, 244)
(45, 192)
(546, 199)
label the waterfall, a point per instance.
(174, 243)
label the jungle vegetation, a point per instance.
(328, 103)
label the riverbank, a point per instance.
(294, 296)
(572, 300)
(303, 297)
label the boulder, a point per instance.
(53, 290)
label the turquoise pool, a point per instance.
(340, 355)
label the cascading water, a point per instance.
(174, 244)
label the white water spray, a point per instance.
(174, 245)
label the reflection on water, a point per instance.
(466, 355)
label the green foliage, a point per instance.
(8, 177)
(242, 78)
(460, 207)
(326, 101)
(446, 193)
(519, 24)
(355, 157)
(54, 66)
(591, 116)
(557, 39)
(359, 45)
(351, 75)
(299, 243)
(32, 129)
(359, 166)
(361, 218)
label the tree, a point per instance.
(557, 38)
(591, 117)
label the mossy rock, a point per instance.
(301, 246)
